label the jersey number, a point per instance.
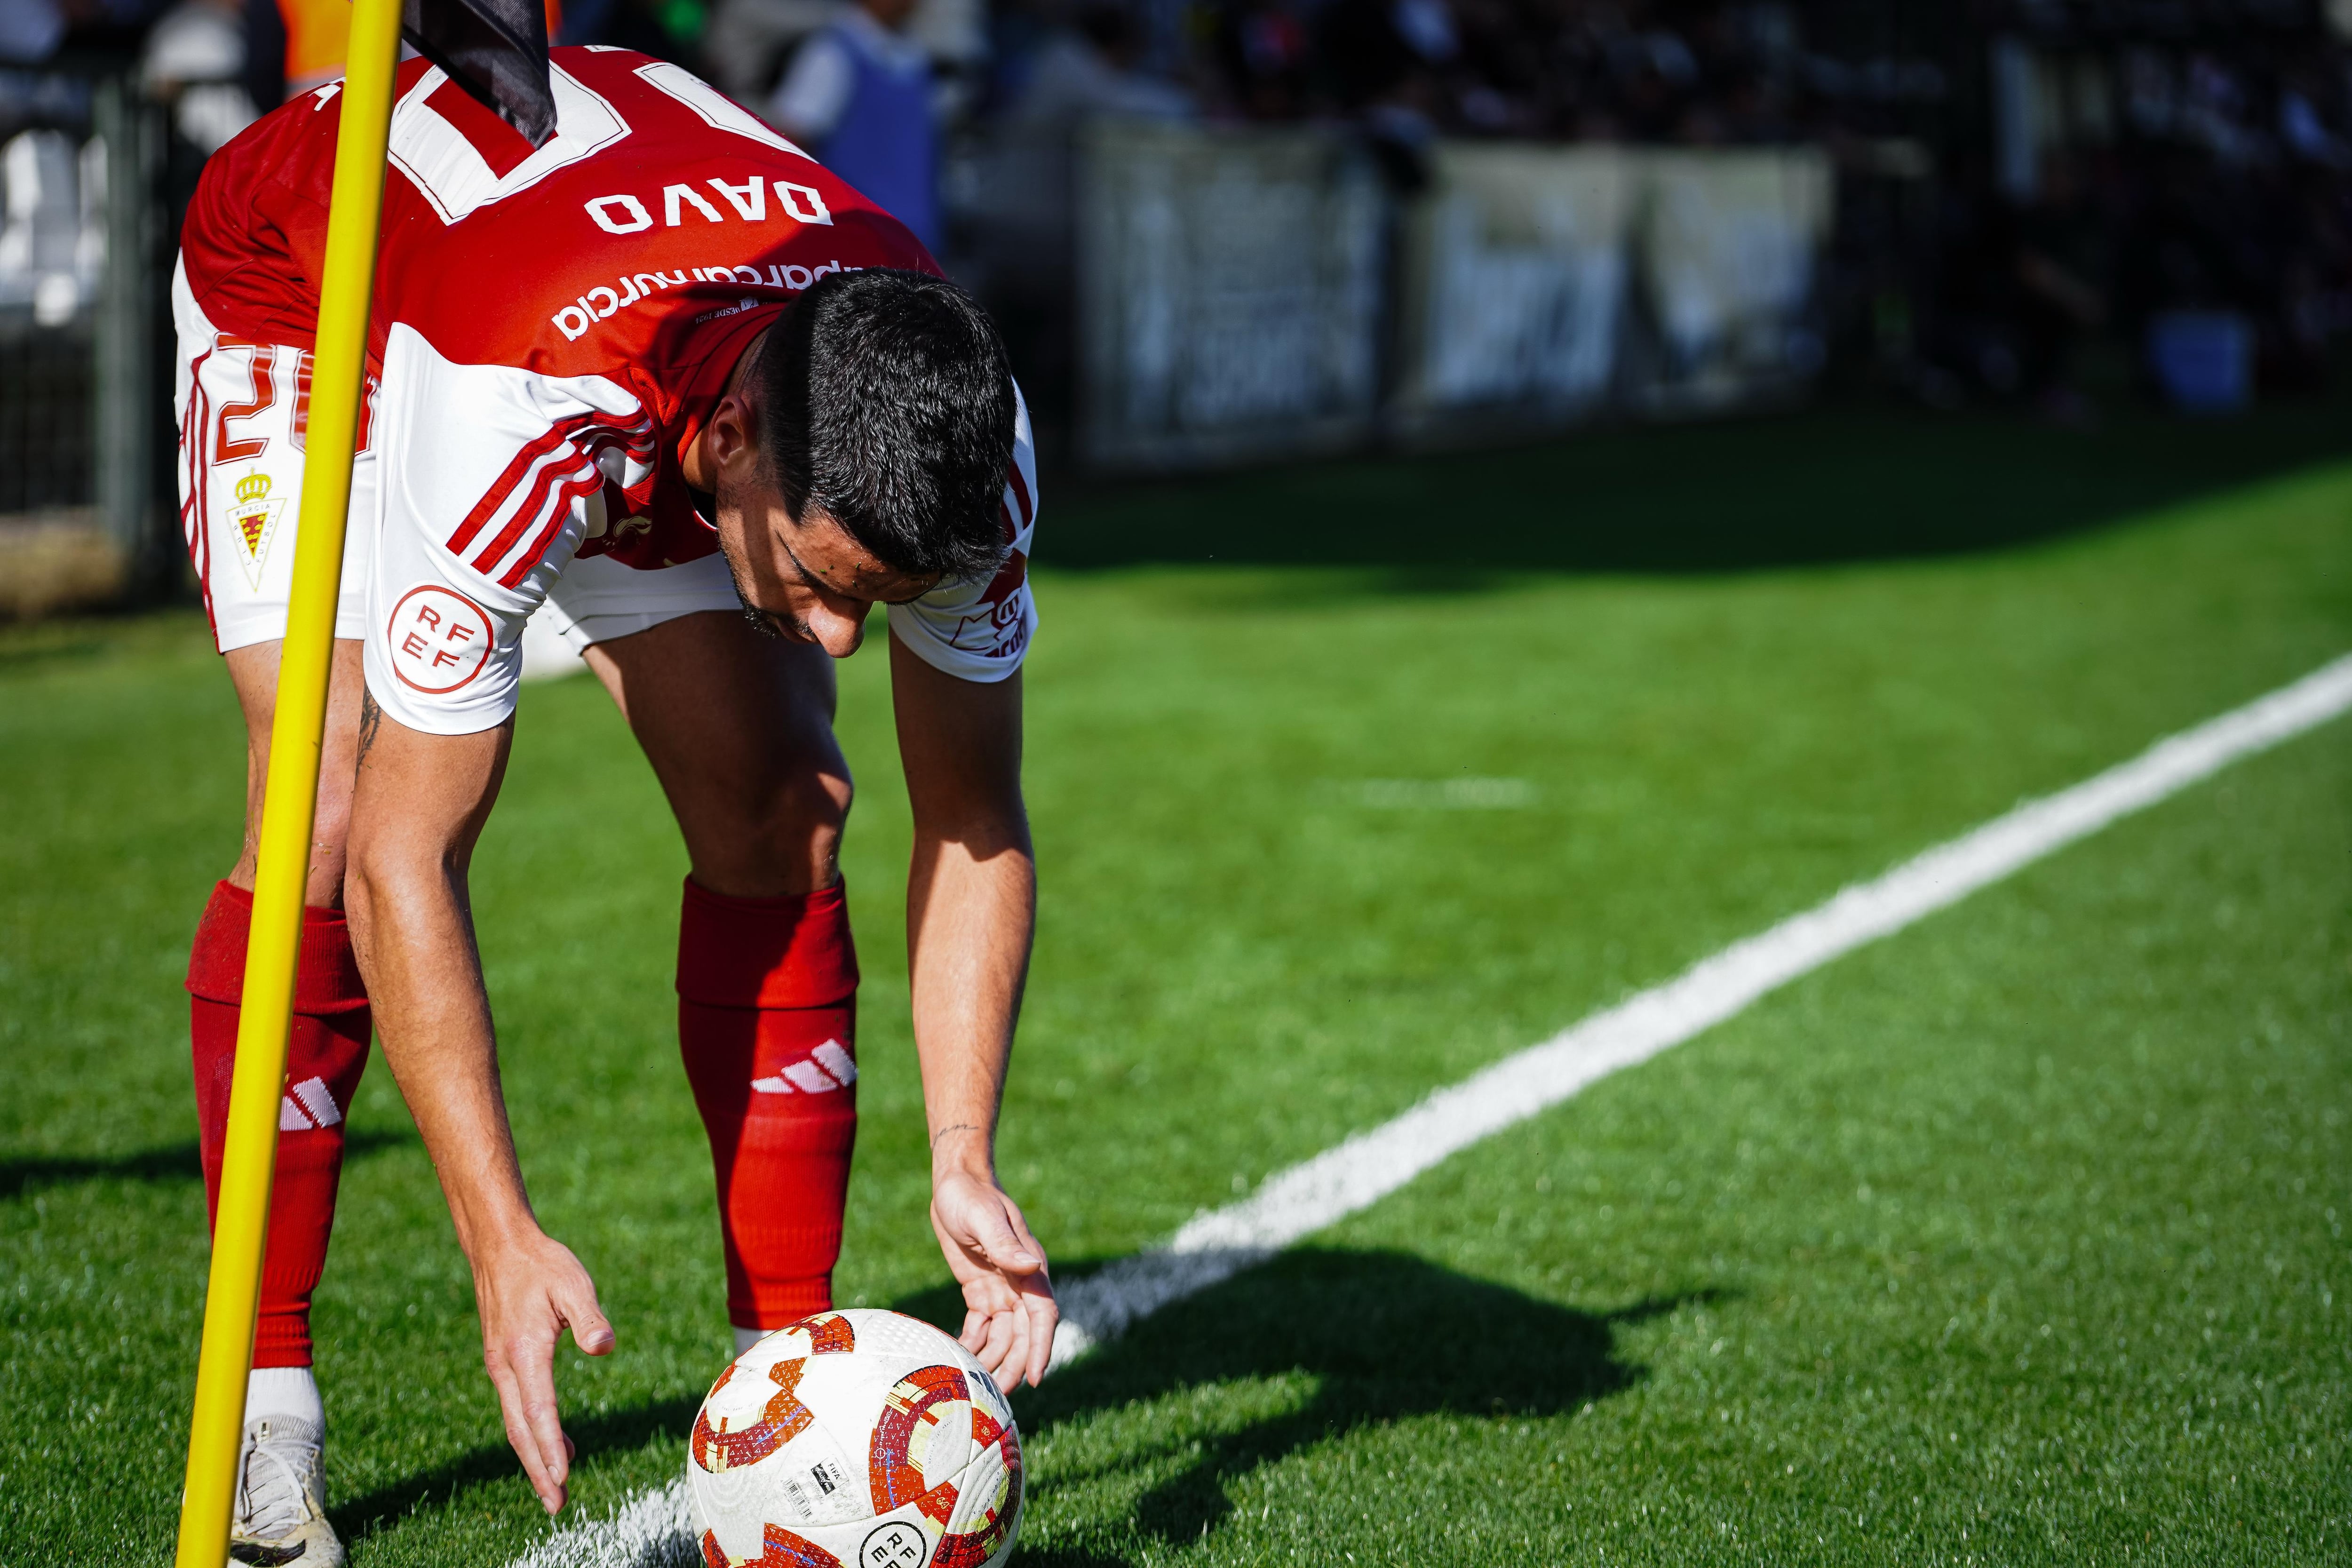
(265, 392)
(464, 160)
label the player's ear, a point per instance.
(733, 433)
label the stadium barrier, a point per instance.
(1727, 254)
(86, 428)
(1511, 291)
(1229, 295)
(1247, 294)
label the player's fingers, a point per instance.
(526, 1449)
(992, 1353)
(1022, 1345)
(591, 1330)
(1002, 1245)
(987, 1352)
(544, 1482)
(1044, 1316)
(534, 1366)
(977, 1222)
(1029, 1243)
(520, 1435)
(1023, 1235)
(1017, 1350)
(991, 1361)
(975, 1329)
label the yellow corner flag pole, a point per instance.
(249, 1155)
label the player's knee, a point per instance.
(807, 812)
(778, 837)
(794, 803)
(330, 831)
(368, 878)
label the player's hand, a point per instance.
(529, 1291)
(1008, 1298)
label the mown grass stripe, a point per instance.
(650, 1531)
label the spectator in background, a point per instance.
(747, 41)
(2056, 269)
(195, 60)
(1391, 61)
(859, 96)
(1390, 52)
(1089, 73)
(1266, 56)
(31, 30)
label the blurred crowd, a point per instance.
(2189, 197)
(2016, 178)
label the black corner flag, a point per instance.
(495, 49)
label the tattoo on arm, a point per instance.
(370, 718)
(959, 1127)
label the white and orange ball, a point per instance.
(854, 1439)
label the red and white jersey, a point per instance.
(553, 328)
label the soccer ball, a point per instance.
(854, 1439)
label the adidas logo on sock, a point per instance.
(829, 1067)
(306, 1105)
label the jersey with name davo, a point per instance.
(554, 327)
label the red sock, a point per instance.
(767, 1020)
(325, 1054)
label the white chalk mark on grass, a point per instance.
(1294, 1204)
(1443, 795)
(649, 1531)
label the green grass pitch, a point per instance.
(2018, 1237)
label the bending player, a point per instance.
(671, 386)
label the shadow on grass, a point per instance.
(171, 1163)
(1826, 485)
(1380, 1335)
(606, 1432)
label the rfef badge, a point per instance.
(438, 639)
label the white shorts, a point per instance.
(598, 599)
(244, 409)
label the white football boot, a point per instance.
(281, 1516)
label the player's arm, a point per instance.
(417, 809)
(971, 906)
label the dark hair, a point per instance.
(889, 407)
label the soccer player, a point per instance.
(670, 386)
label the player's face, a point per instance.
(802, 579)
(806, 579)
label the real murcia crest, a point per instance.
(254, 517)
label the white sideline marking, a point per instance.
(1371, 1164)
(650, 1531)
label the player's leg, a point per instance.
(327, 1048)
(240, 480)
(738, 728)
